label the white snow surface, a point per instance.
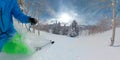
(93, 47)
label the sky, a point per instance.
(86, 12)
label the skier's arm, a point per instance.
(18, 14)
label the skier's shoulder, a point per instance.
(12, 1)
(9, 1)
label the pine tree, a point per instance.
(57, 27)
(74, 29)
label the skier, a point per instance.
(10, 40)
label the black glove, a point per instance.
(33, 21)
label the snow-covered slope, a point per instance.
(94, 47)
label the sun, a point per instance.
(65, 18)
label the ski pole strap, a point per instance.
(29, 27)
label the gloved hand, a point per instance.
(33, 21)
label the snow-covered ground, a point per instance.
(94, 47)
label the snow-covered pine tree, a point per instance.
(57, 27)
(74, 29)
(65, 29)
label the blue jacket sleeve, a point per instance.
(18, 14)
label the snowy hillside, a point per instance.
(94, 47)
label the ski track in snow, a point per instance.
(93, 47)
